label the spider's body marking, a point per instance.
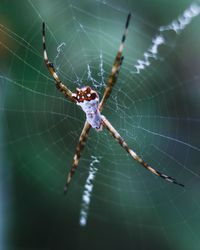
(85, 94)
(93, 115)
(88, 100)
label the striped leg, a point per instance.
(77, 155)
(116, 67)
(121, 141)
(60, 86)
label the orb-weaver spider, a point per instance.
(88, 99)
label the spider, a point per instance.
(88, 100)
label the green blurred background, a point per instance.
(156, 111)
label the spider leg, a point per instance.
(121, 141)
(60, 86)
(115, 68)
(77, 155)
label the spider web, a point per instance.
(154, 106)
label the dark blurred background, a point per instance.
(156, 110)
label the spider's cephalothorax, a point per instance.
(88, 99)
(85, 94)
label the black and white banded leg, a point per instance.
(121, 141)
(60, 86)
(116, 67)
(82, 139)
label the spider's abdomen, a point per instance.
(93, 115)
(88, 99)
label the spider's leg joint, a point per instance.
(51, 64)
(58, 86)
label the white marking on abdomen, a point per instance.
(91, 110)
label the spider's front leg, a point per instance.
(60, 86)
(121, 141)
(116, 67)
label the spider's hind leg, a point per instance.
(121, 141)
(82, 139)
